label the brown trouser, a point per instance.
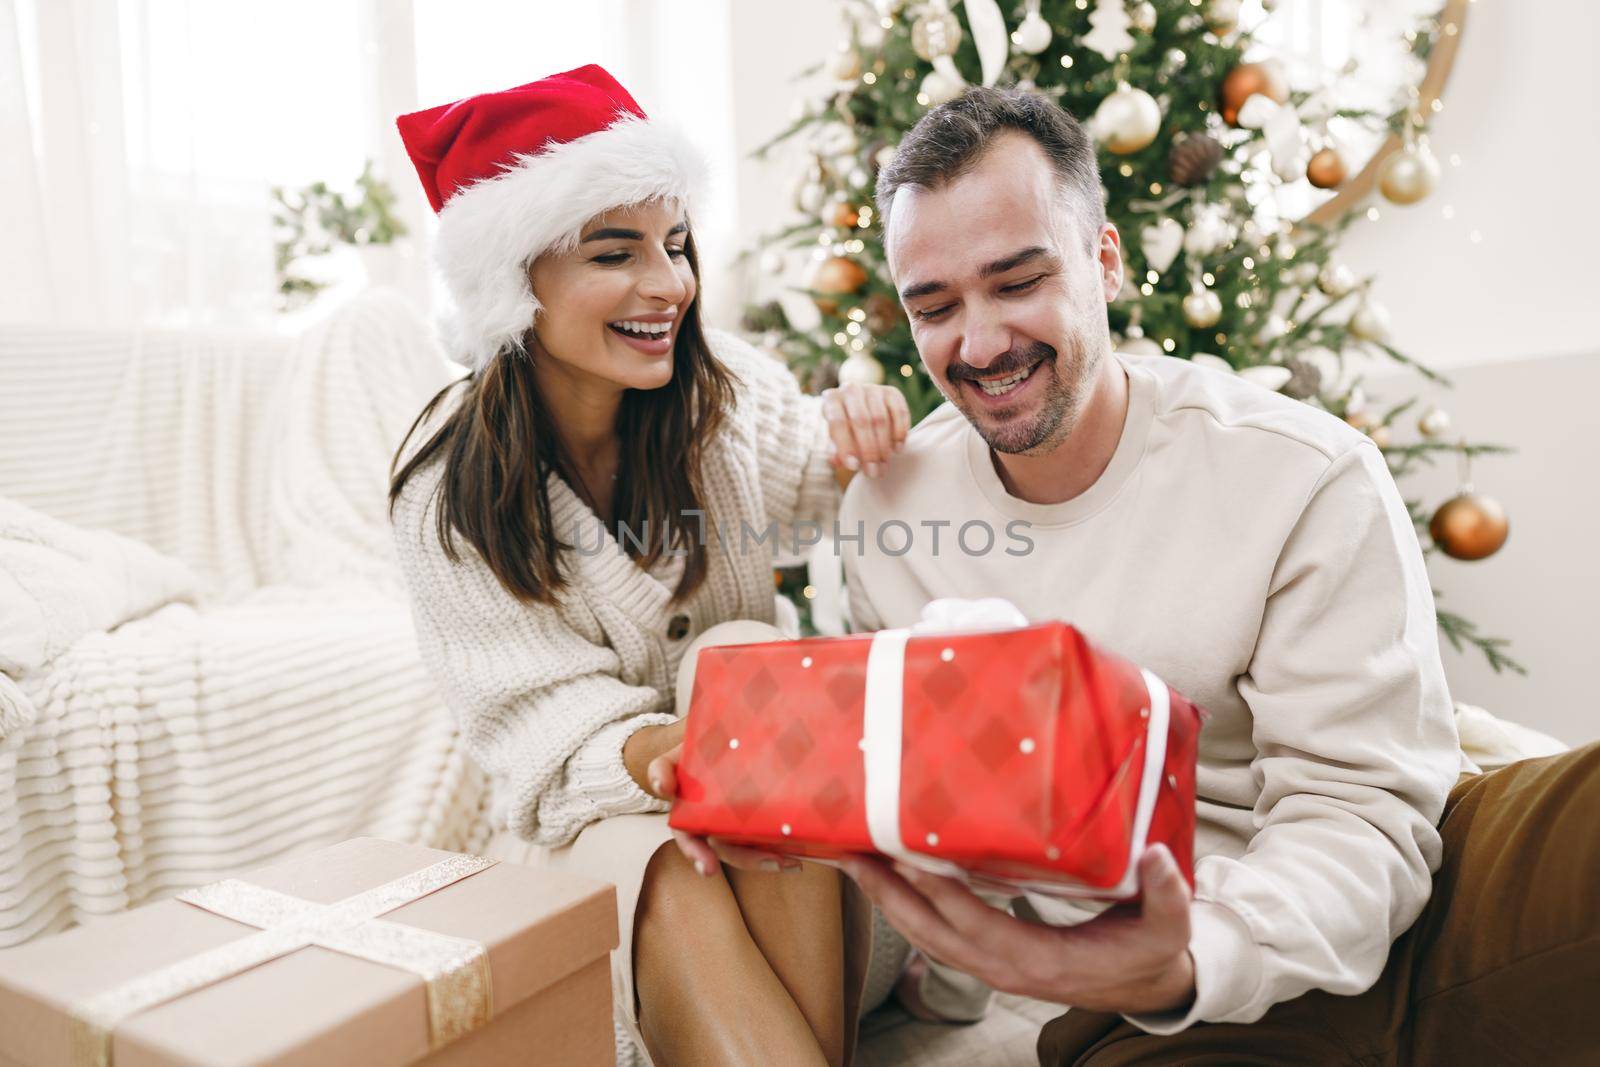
(1502, 967)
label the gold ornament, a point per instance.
(1143, 17)
(840, 213)
(833, 278)
(846, 65)
(1434, 423)
(1327, 169)
(1247, 79)
(1202, 308)
(1127, 120)
(1370, 322)
(1222, 17)
(936, 33)
(1194, 159)
(1336, 279)
(938, 89)
(1409, 175)
(1469, 525)
(1369, 425)
(860, 369)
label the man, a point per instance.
(1253, 551)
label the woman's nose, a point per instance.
(663, 281)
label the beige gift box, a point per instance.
(484, 963)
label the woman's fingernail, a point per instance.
(700, 868)
(655, 784)
(874, 469)
(792, 865)
(771, 865)
(852, 462)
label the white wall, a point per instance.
(1511, 317)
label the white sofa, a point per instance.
(212, 659)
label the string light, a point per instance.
(1168, 344)
(1209, 278)
(1066, 62)
(1147, 289)
(852, 328)
(1152, 277)
(905, 370)
(1372, 214)
(858, 315)
(839, 339)
(1249, 264)
(870, 78)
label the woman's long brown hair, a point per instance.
(500, 446)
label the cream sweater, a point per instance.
(1255, 554)
(546, 695)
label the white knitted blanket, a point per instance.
(252, 687)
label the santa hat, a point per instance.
(516, 174)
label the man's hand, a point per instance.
(1130, 959)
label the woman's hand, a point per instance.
(868, 424)
(707, 853)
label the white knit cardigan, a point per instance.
(546, 695)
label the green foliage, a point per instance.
(312, 220)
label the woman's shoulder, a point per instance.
(757, 369)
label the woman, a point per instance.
(602, 490)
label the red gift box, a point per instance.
(1022, 759)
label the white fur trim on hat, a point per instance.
(490, 231)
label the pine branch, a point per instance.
(1461, 632)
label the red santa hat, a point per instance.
(516, 174)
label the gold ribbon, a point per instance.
(455, 970)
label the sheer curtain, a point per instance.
(140, 139)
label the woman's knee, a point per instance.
(733, 632)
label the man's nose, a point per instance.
(984, 339)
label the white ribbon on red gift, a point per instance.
(882, 745)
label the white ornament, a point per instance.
(870, 35)
(1434, 423)
(1127, 120)
(1033, 34)
(845, 65)
(1138, 345)
(885, 155)
(772, 261)
(1268, 376)
(1370, 322)
(1209, 232)
(809, 197)
(988, 27)
(1223, 16)
(940, 89)
(1161, 242)
(1280, 128)
(1336, 280)
(1275, 327)
(1202, 308)
(1110, 36)
(835, 139)
(860, 369)
(1144, 17)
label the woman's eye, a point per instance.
(677, 253)
(611, 259)
(1022, 287)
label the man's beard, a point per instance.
(1057, 409)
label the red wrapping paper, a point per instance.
(1022, 755)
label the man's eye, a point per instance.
(1023, 287)
(933, 313)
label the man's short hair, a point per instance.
(950, 140)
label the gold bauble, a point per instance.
(840, 213)
(1327, 169)
(1247, 79)
(860, 369)
(1142, 17)
(1469, 526)
(1127, 120)
(845, 65)
(1370, 322)
(1222, 17)
(936, 33)
(1202, 309)
(1434, 423)
(833, 278)
(1409, 175)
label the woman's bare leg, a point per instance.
(706, 993)
(797, 920)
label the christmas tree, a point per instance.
(1200, 136)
